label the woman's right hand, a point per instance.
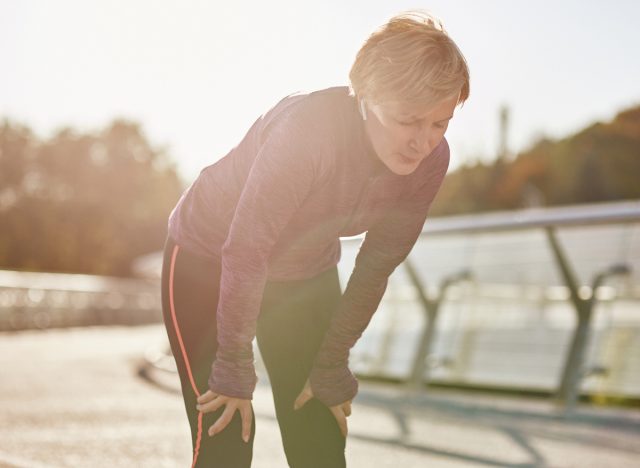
(211, 401)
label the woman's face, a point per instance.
(403, 136)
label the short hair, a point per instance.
(411, 59)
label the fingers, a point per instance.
(305, 395)
(223, 421)
(340, 412)
(346, 407)
(213, 404)
(207, 396)
(302, 400)
(341, 418)
(231, 405)
(247, 419)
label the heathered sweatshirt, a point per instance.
(274, 208)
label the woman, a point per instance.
(254, 242)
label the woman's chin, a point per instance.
(400, 165)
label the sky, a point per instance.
(196, 74)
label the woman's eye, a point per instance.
(406, 122)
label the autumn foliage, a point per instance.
(84, 203)
(600, 163)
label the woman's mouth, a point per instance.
(407, 160)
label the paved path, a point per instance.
(74, 398)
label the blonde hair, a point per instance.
(411, 59)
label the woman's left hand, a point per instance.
(341, 412)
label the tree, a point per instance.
(599, 163)
(87, 203)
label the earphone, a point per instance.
(363, 110)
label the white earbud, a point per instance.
(363, 110)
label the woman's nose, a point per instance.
(420, 143)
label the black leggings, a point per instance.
(293, 319)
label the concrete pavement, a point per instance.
(75, 398)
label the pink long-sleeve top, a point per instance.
(275, 207)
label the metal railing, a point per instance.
(30, 300)
(582, 297)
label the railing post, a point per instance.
(430, 308)
(567, 391)
(569, 388)
(420, 371)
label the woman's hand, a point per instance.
(341, 412)
(210, 401)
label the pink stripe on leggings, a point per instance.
(196, 450)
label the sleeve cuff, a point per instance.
(233, 379)
(333, 386)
